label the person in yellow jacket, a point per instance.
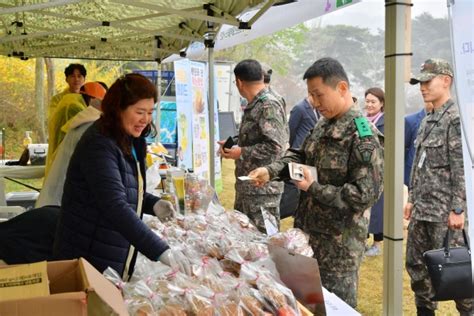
(69, 106)
(75, 78)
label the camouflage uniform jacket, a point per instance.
(437, 176)
(263, 137)
(279, 97)
(350, 175)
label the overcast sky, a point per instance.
(371, 13)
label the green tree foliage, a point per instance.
(430, 38)
(278, 51)
(17, 106)
(288, 52)
(360, 52)
(18, 91)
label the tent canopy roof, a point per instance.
(145, 30)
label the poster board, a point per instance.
(227, 126)
(462, 20)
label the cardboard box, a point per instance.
(76, 288)
(24, 281)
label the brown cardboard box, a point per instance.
(76, 288)
(24, 281)
(301, 275)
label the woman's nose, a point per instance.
(149, 117)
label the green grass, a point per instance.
(370, 298)
(11, 186)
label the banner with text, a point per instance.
(200, 119)
(184, 101)
(462, 20)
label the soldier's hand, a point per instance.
(306, 182)
(231, 153)
(260, 176)
(456, 221)
(407, 211)
(221, 149)
(164, 210)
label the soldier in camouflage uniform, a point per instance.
(263, 137)
(437, 197)
(347, 152)
(267, 77)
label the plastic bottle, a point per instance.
(27, 140)
(169, 193)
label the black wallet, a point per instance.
(229, 143)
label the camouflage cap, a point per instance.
(431, 68)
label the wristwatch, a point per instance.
(458, 211)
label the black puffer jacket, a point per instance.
(98, 219)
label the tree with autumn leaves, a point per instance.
(288, 52)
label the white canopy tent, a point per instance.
(113, 29)
(153, 30)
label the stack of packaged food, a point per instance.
(229, 270)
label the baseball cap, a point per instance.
(94, 89)
(431, 68)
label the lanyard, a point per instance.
(131, 251)
(134, 153)
(435, 123)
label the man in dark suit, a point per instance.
(303, 118)
(412, 123)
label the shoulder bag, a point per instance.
(450, 270)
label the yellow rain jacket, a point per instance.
(70, 105)
(53, 104)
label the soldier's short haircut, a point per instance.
(249, 70)
(70, 69)
(330, 71)
(267, 76)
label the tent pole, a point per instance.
(39, 96)
(158, 106)
(212, 157)
(397, 14)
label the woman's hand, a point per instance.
(176, 260)
(164, 210)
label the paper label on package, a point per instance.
(297, 174)
(271, 225)
(24, 281)
(245, 178)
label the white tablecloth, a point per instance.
(18, 172)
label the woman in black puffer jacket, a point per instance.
(104, 194)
